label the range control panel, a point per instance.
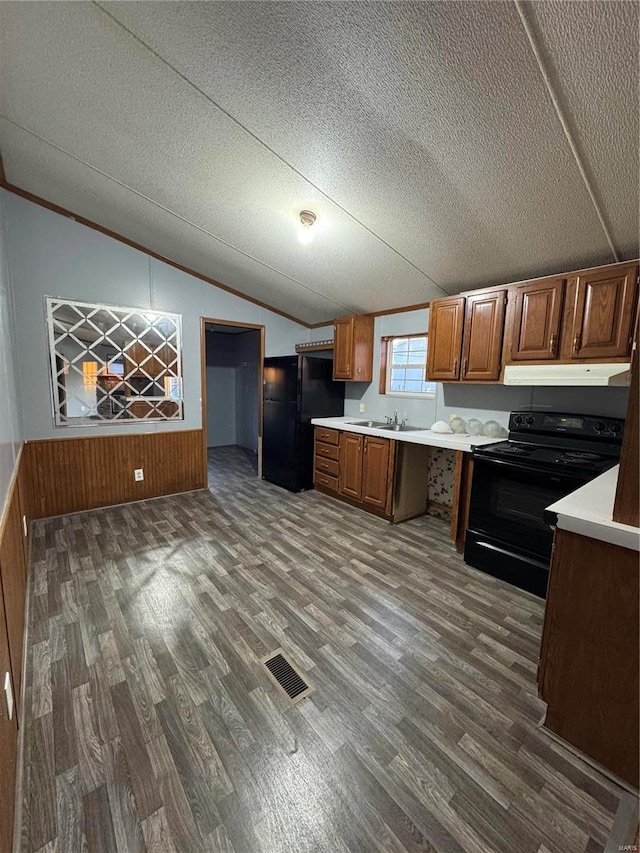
(583, 426)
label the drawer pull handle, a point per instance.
(552, 343)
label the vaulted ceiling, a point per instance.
(442, 145)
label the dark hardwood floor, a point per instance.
(151, 724)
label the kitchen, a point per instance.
(373, 584)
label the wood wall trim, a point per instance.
(62, 211)
(76, 474)
(4, 512)
(13, 577)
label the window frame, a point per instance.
(386, 349)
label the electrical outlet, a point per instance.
(361, 408)
(138, 475)
(8, 694)
(452, 417)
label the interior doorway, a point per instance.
(232, 362)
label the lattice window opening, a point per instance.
(113, 364)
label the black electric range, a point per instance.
(547, 456)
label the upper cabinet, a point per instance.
(482, 341)
(601, 315)
(446, 326)
(353, 348)
(534, 331)
(583, 316)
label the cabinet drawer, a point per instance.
(329, 451)
(326, 466)
(326, 481)
(329, 436)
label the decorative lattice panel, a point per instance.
(113, 364)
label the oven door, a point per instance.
(508, 500)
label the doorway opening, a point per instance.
(232, 358)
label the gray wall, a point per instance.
(232, 389)
(51, 255)
(483, 402)
(221, 406)
(10, 429)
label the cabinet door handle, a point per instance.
(464, 368)
(455, 366)
(576, 343)
(552, 343)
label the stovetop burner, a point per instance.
(516, 450)
(549, 457)
(581, 455)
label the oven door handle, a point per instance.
(560, 475)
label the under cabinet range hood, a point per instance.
(611, 375)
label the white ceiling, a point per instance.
(426, 136)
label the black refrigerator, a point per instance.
(296, 389)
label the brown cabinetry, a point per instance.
(601, 313)
(326, 456)
(386, 477)
(375, 472)
(482, 341)
(358, 468)
(350, 482)
(536, 320)
(446, 326)
(585, 316)
(353, 348)
(465, 337)
(588, 673)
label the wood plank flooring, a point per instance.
(151, 725)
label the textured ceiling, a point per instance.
(443, 146)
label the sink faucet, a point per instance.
(395, 416)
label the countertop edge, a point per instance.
(424, 437)
(589, 512)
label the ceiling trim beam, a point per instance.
(547, 74)
(69, 214)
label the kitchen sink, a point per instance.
(400, 427)
(376, 424)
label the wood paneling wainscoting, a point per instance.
(13, 589)
(74, 474)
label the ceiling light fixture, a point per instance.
(307, 218)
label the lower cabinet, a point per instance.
(588, 673)
(377, 479)
(366, 470)
(351, 452)
(383, 476)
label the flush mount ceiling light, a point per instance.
(307, 218)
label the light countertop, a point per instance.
(423, 436)
(589, 512)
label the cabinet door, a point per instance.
(375, 472)
(446, 323)
(605, 308)
(536, 323)
(350, 481)
(343, 348)
(483, 328)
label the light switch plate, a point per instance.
(8, 692)
(361, 408)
